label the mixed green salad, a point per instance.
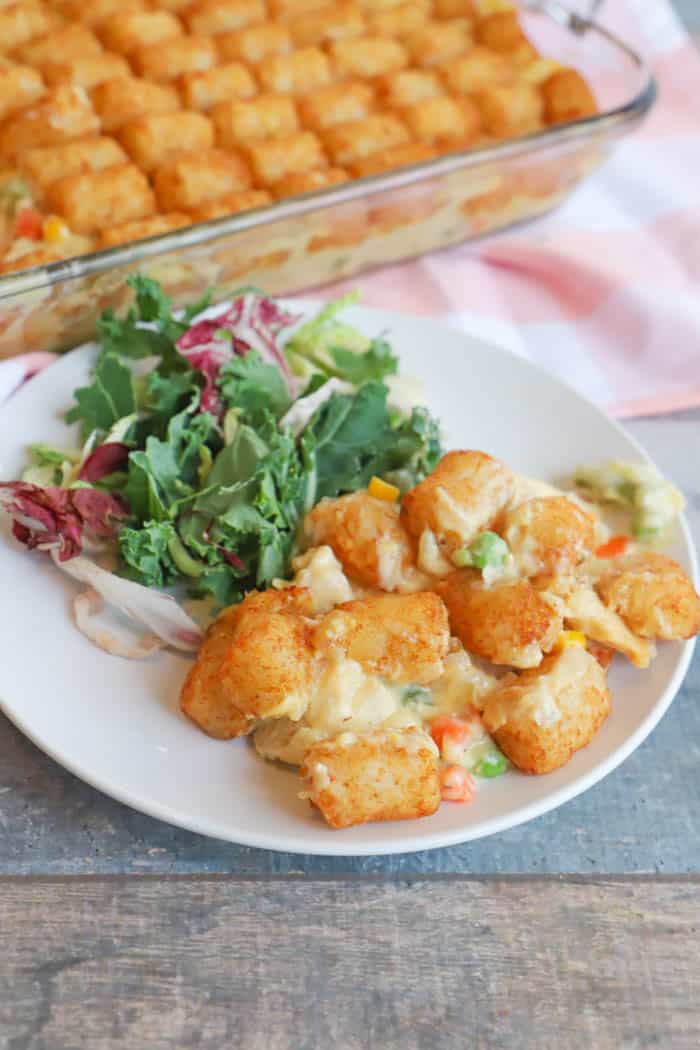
(206, 436)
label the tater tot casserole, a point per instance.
(125, 119)
(424, 644)
(397, 622)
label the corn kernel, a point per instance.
(567, 639)
(54, 229)
(383, 490)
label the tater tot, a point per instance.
(309, 181)
(409, 86)
(365, 535)
(545, 715)
(223, 16)
(288, 10)
(510, 110)
(273, 159)
(64, 113)
(22, 22)
(47, 164)
(459, 499)
(203, 90)
(652, 593)
(173, 58)
(88, 71)
(142, 228)
(567, 96)
(93, 200)
(72, 41)
(454, 9)
(193, 178)
(390, 159)
(119, 101)
(367, 56)
(436, 119)
(500, 31)
(378, 5)
(374, 776)
(125, 32)
(231, 204)
(338, 22)
(150, 139)
(402, 637)
(20, 86)
(348, 143)
(256, 661)
(268, 116)
(436, 43)
(297, 74)
(550, 536)
(400, 20)
(336, 104)
(477, 70)
(255, 43)
(99, 10)
(509, 622)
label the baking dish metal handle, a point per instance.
(576, 16)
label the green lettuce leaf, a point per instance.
(359, 367)
(109, 396)
(254, 387)
(146, 554)
(353, 437)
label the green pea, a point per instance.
(491, 765)
(488, 551)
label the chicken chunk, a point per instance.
(378, 776)
(652, 594)
(257, 661)
(586, 612)
(458, 500)
(403, 638)
(507, 622)
(548, 536)
(543, 716)
(366, 536)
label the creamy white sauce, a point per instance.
(430, 558)
(346, 699)
(321, 573)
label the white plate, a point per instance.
(116, 723)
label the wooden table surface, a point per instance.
(577, 930)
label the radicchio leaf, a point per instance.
(159, 612)
(65, 518)
(104, 460)
(251, 322)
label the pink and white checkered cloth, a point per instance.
(605, 291)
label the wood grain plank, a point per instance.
(362, 965)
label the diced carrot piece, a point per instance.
(613, 548)
(454, 729)
(456, 785)
(29, 224)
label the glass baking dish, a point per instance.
(319, 237)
